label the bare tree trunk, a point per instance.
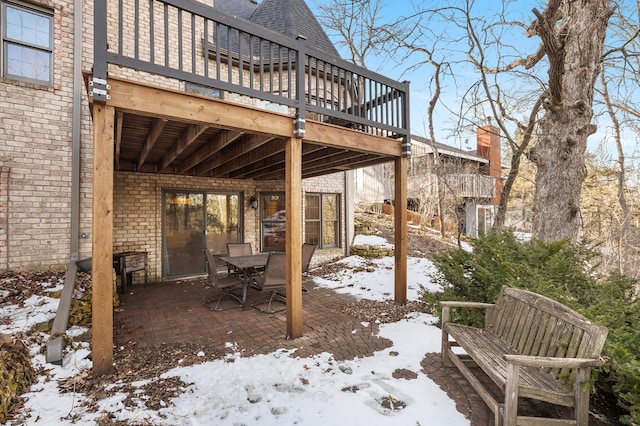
(572, 32)
(437, 161)
(625, 226)
(516, 157)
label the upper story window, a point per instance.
(27, 43)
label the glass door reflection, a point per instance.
(183, 234)
(195, 220)
(223, 222)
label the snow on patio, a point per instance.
(273, 389)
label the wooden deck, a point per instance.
(144, 120)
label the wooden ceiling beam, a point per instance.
(323, 156)
(206, 151)
(258, 158)
(274, 164)
(267, 165)
(232, 152)
(152, 138)
(352, 140)
(346, 159)
(355, 165)
(187, 137)
(277, 165)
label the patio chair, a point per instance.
(307, 255)
(238, 249)
(223, 286)
(272, 284)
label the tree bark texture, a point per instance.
(572, 33)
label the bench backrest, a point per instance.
(533, 324)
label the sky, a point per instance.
(420, 78)
(286, 389)
(444, 123)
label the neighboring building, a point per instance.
(472, 182)
(168, 202)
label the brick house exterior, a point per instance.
(171, 127)
(38, 229)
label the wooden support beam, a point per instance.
(293, 245)
(338, 160)
(152, 137)
(265, 165)
(128, 96)
(102, 239)
(401, 230)
(353, 140)
(176, 105)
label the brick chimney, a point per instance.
(488, 139)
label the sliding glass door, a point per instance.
(192, 221)
(223, 222)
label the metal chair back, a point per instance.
(239, 249)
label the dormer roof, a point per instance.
(291, 18)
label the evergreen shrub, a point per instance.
(564, 272)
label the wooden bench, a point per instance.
(530, 347)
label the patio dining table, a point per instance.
(246, 264)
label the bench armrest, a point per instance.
(554, 362)
(460, 304)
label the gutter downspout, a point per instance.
(76, 124)
(55, 347)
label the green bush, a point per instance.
(561, 271)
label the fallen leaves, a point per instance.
(383, 312)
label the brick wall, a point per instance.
(35, 144)
(137, 199)
(36, 147)
(137, 219)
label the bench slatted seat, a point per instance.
(531, 347)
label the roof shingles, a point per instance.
(291, 18)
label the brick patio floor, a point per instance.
(173, 312)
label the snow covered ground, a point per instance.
(273, 389)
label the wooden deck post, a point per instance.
(102, 239)
(293, 203)
(401, 230)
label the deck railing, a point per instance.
(196, 44)
(460, 185)
(471, 186)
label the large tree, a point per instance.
(572, 34)
(538, 91)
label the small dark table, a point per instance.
(127, 263)
(246, 264)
